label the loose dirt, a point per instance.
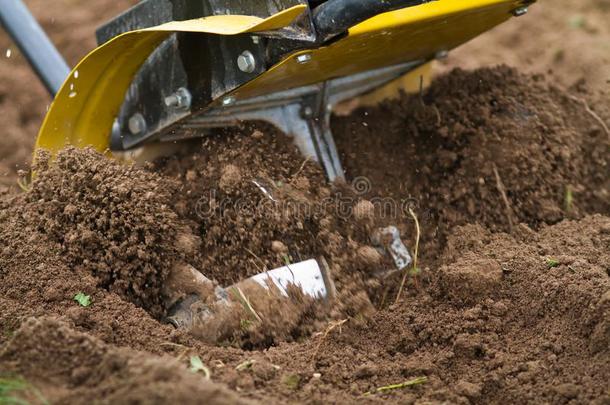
(496, 312)
(508, 177)
(493, 147)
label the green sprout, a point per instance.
(83, 299)
(551, 263)
(392, 387)
(198, 366)
(10, 388)
(569, 199)
(292, 381)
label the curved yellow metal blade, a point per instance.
(86, 106)
(84, 109)
(405, 35)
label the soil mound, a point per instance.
(81, 367)
(536, 330)
(111, 220)
(491, 146)
(106, 227)
(520, 316)
(258, 204)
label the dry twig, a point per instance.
(246, 302)
(331, 327)
(294, 176)
(502, 190)
(592, 113)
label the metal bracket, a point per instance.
(303, 113)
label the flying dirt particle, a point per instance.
(191, 176)
(187, 243)
(231, 176)
(364, 210)
(302, 183)
(278, 247)
(9, 52)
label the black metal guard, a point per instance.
(335, 17)
(40, 52)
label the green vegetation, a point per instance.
(83, 299)
(406, 384)
(569, 199)
(197, 366)
(550, 263)
(577, 21)
(12, 391)
(292, 381)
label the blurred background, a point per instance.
(565, 39)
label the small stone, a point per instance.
(257, 135)
(230, 177)
(366, 370)
(191, 176)
(499, 309)
(471, 278)
(364, 210)
(568, 391)
(468, 389)
(278, 247)
(369, 256)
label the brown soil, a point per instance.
(492, 316)
(473, 139)
(564, 39)
(45, 349)
(507, 175)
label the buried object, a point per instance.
(311, 278)
(196, 301)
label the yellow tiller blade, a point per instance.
(84, 109)
(86, 106)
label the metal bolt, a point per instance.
(137, 124)
(304, 58)
(246, 62)
(227, 101)
(180, 100)
(520, 11)
(442, 54)
(256, 39)
(307, 112)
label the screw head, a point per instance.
(304, 58)
(442, 54)
(227, 101)
(307, 112)
(136, 124)
(246, 62)
(518, 12)
(180, 100)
